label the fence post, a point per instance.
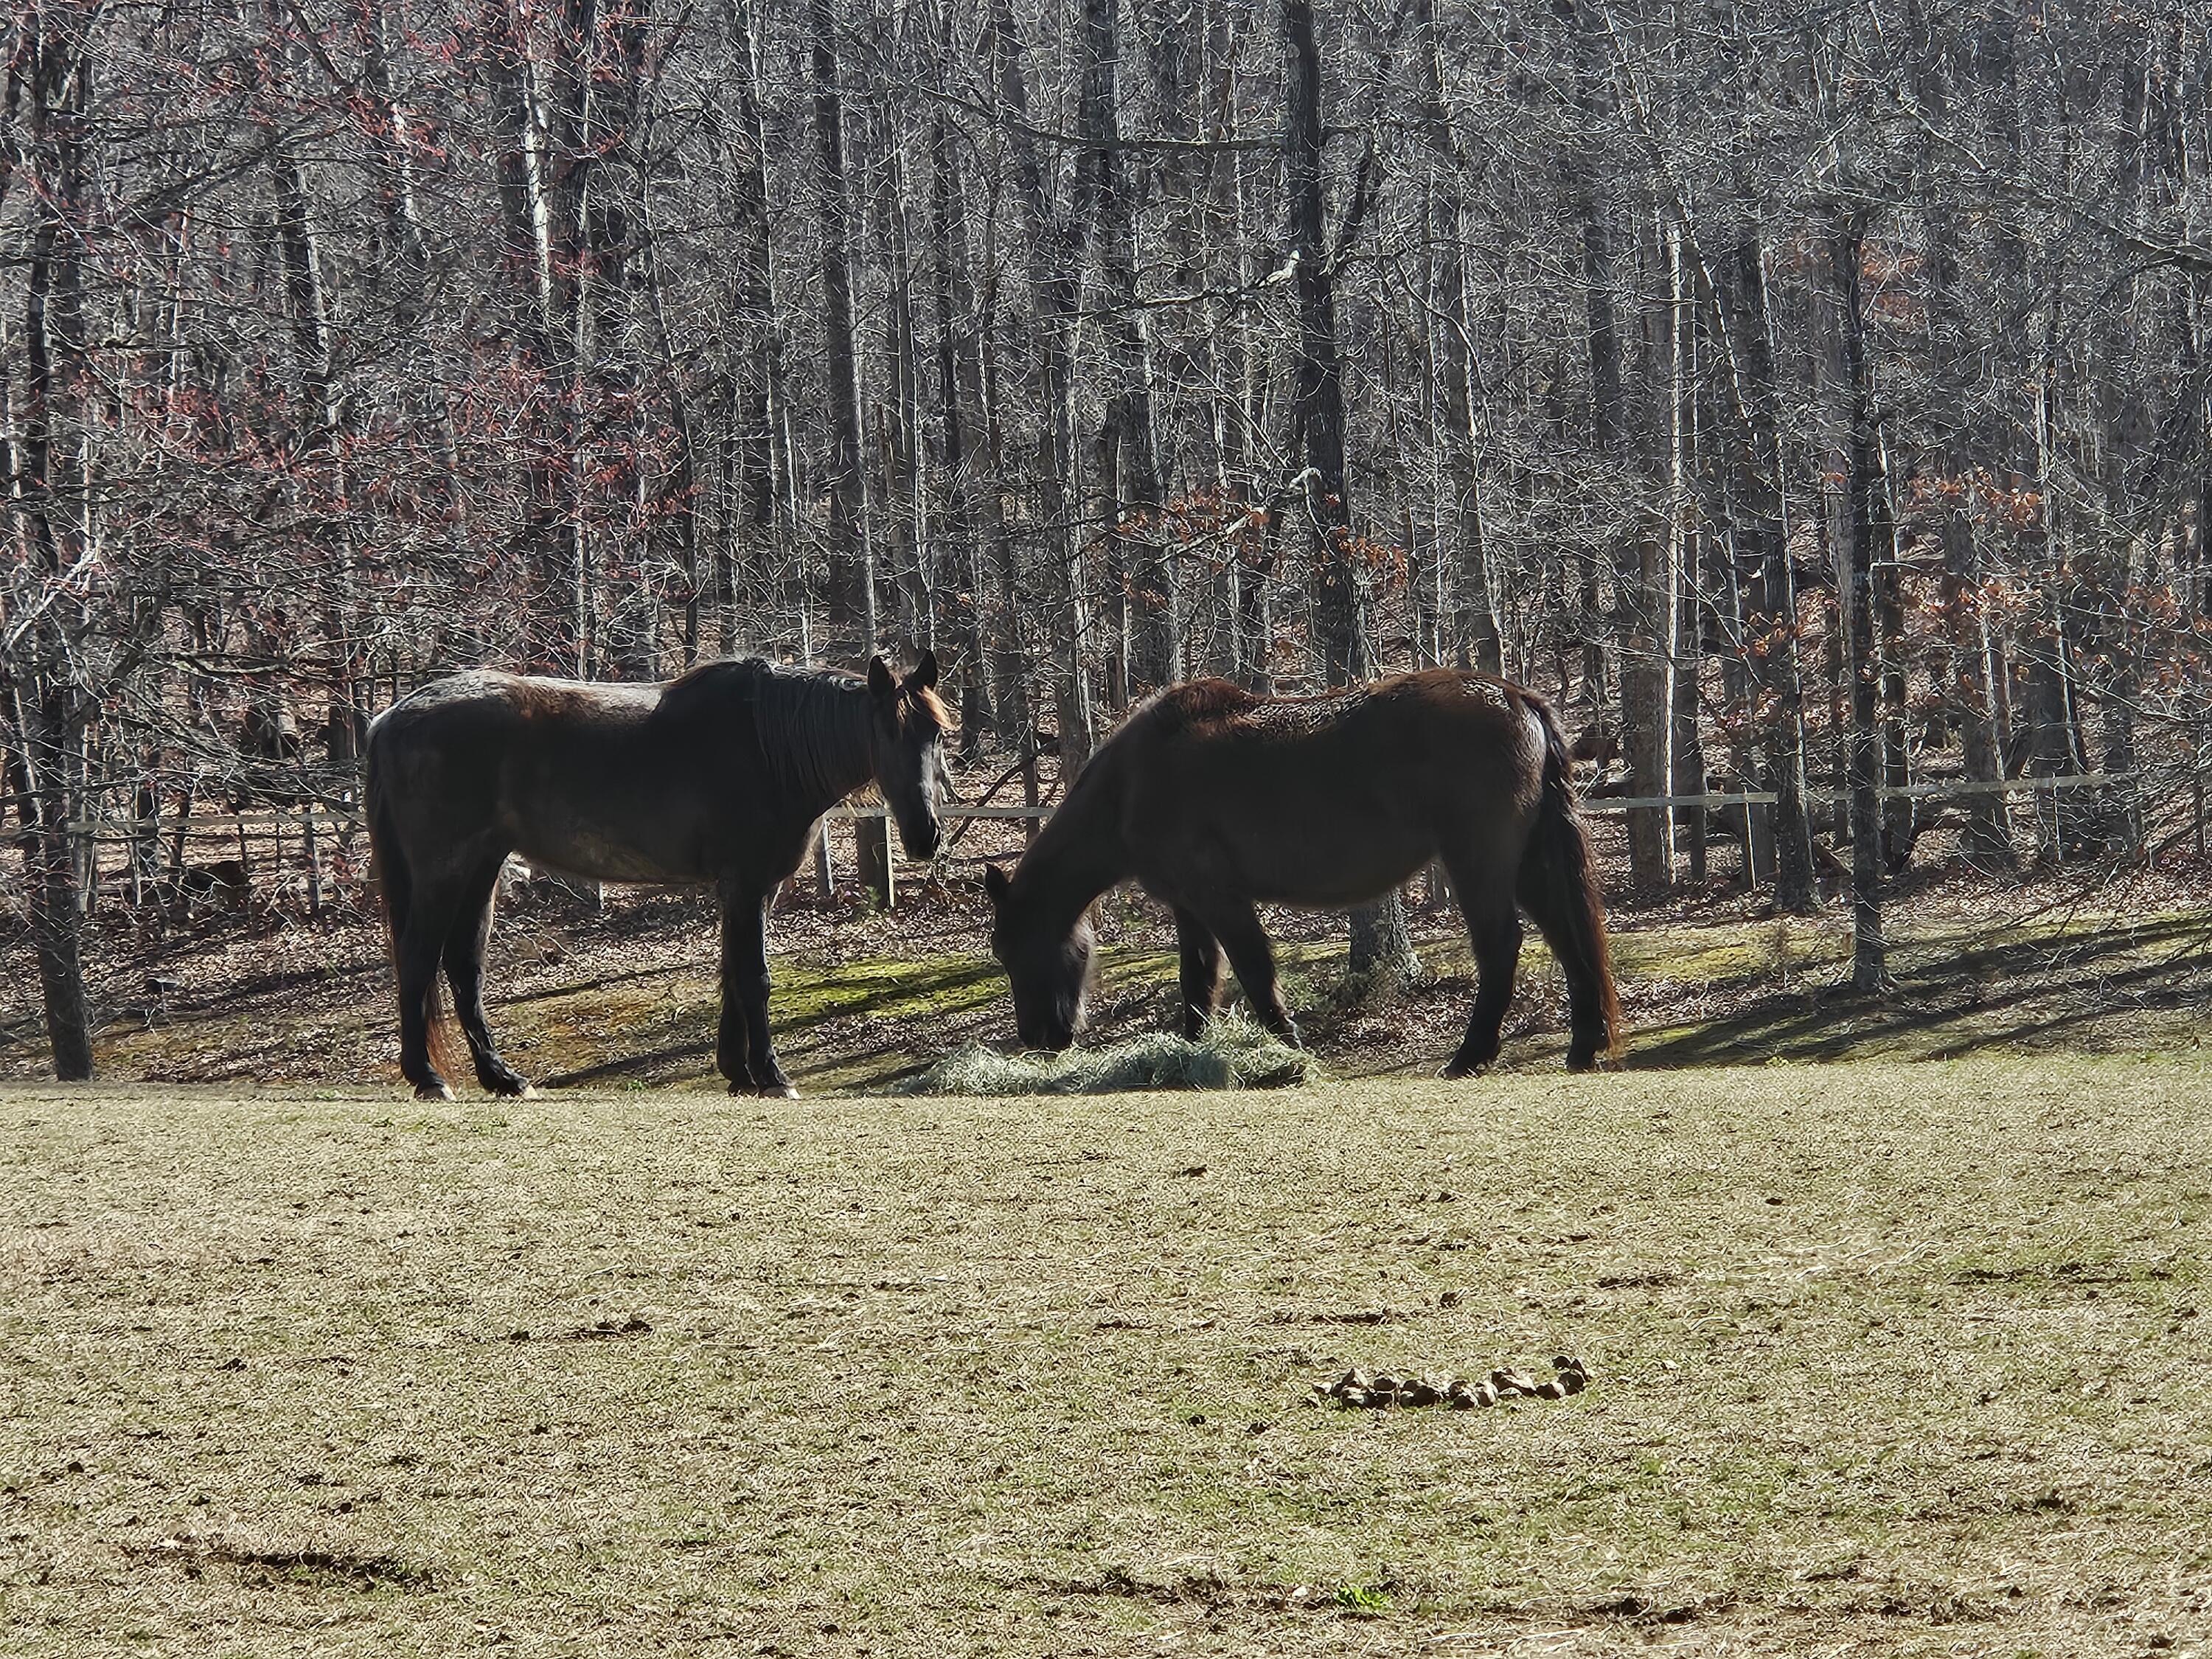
(2197, 783)
(872, 841)
(314, 868)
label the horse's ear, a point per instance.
(925, 671)
(995, 882)
(881, 681)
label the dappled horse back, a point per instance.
(1559, 886)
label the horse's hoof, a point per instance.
(777, 1091)
(1463, 1064)
(434, 1089)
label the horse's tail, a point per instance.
(388, 873)
(1559, 887)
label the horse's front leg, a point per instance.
(1236, 924)
(1201, 972)
(733, 1043)
(744, 983)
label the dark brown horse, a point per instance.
(719, 776)
(1213, 800)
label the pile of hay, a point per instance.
(1232, 1053)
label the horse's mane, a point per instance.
(811, 723)
(1198, 703)
(927, 696)
(1212, 704)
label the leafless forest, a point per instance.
(1814, 402)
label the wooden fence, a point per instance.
(312, 825)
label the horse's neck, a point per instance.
(851, 760)
(1079, 853)
(824, 730)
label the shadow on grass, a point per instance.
(898, 996)
(1959, 993)
(866, 1023)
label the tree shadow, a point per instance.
(1960, 993)
(888, 1001)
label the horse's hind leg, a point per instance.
(1201, 972)
(1236, 924)
(419, 938)
(1493, 930)
(1572, 926)
(465, 944)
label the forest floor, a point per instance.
(2103, 960)
(1886, 1358)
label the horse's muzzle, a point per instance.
(921, 844)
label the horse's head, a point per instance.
(1050, 971)
(908, 750)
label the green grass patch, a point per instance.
(1696, 993)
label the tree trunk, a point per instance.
(897, 417)
(1686, 756)
(851, 575)
(48, 724)
(1474, 611)
(756, 406)
(1636, 623)
(960, 577)
(1774, 646)
(1144, 595)
(56, 510)
(538, 539)
(1057, 250)
(1381, 945)
(1898, 811)
(1859, 551)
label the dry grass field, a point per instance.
(1887, 1358)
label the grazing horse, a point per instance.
(1213, 800)
(718, 777)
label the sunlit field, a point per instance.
(1885, 1358)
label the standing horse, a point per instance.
(1213, 800)
(719, 776)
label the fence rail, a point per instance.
(311, 824)
(1940, 791)
(227, 823)
(123, 830)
